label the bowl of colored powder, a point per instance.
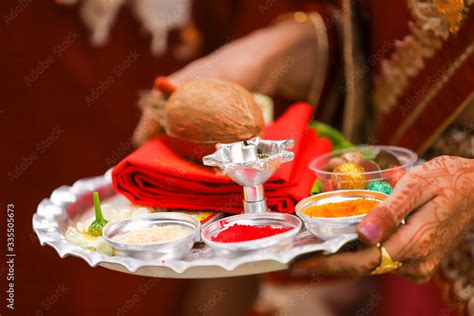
(240, 234)
(165, 235)
(331, 214)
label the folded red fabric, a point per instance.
(155, 175)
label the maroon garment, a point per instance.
(423, 116)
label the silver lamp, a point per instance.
(251, 163)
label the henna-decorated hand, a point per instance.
(437, 200)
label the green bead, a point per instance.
(380, 186)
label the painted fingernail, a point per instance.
(370, 231)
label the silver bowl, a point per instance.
(328, 227)
(171, 249)
(278, 242)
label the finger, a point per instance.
(411, 192)
(422, 233)
(421, 270)
(421, 243)
(147, 128)
(165, 85)
(357, 263)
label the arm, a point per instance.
(260, 61)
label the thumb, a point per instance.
(147, 128)
(410, 193)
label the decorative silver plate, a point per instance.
(69, 203)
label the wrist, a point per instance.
(304, 43)
(279, 38)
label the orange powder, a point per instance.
(341, 209)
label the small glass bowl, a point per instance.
(327, 179)
(327, 228)
(276, 242)
(170, 249)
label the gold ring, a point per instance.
(386, 262)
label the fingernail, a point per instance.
(369, 231)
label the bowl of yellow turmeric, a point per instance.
(331, 214)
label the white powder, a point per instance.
(154, 234)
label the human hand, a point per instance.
(437, 201)
(257, 61)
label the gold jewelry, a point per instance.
(322, 47)
(386, 262)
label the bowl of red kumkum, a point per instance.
(164, 235)
(332, 214)
(241, 234)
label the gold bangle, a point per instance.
(386, 263)
(297, 16)
(322, 47)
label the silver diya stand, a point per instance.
(250, 164)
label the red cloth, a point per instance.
(155, 175)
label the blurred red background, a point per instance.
(51, 137)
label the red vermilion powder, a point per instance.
(237, 232)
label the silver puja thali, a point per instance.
(68, 204)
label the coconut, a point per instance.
(212, 111)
